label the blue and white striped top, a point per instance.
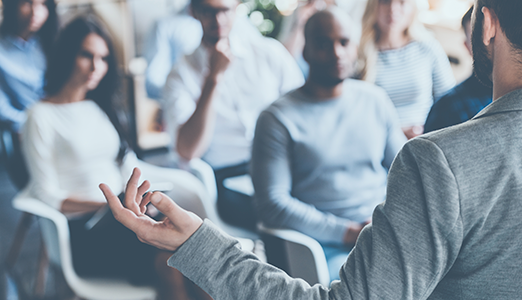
(414, 76)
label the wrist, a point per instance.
(352, 232)
(213, 77)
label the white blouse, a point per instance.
(70, 149)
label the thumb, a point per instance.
(166, 205)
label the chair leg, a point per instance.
(43, 264)
(21, 230)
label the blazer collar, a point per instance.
(509, 102)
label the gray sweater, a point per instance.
(319, 165)
(450, 227)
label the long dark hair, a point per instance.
(62, 62)
(48, 31)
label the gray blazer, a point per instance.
(450, 228)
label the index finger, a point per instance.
(113, 200)
(125, 216)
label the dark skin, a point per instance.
(331, 55)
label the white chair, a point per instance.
(297, 254)
(55, 233)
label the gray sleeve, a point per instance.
(272, 179)
(412, 243)
(214, 261)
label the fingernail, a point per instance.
(155, 198)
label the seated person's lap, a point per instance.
(110, 250)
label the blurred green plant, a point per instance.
(264, 14)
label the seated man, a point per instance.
(464, 101)
(321, 153)
(213, 97)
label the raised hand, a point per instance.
(220, 58)
(168, 234)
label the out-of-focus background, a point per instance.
(131, 21)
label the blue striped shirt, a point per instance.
(414, 77)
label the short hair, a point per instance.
(62, 62)
(48, 31)
(508, 14)
(195, 4)
(334, 13)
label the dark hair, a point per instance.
(195, 4)
(62, 63)
(48, 31)
(466, 18)
(508, 13)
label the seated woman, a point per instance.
(26, 35)
(398, 54)
(73, 141)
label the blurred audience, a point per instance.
(73, 141)
(465, 100)
(26, 36)
(321, 153)
(213, 97)
(399, 55)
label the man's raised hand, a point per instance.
(168, 234)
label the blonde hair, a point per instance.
(368, 52)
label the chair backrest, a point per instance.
(12, 158)
(299, 255)
(55, 233)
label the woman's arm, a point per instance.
(80, 206)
